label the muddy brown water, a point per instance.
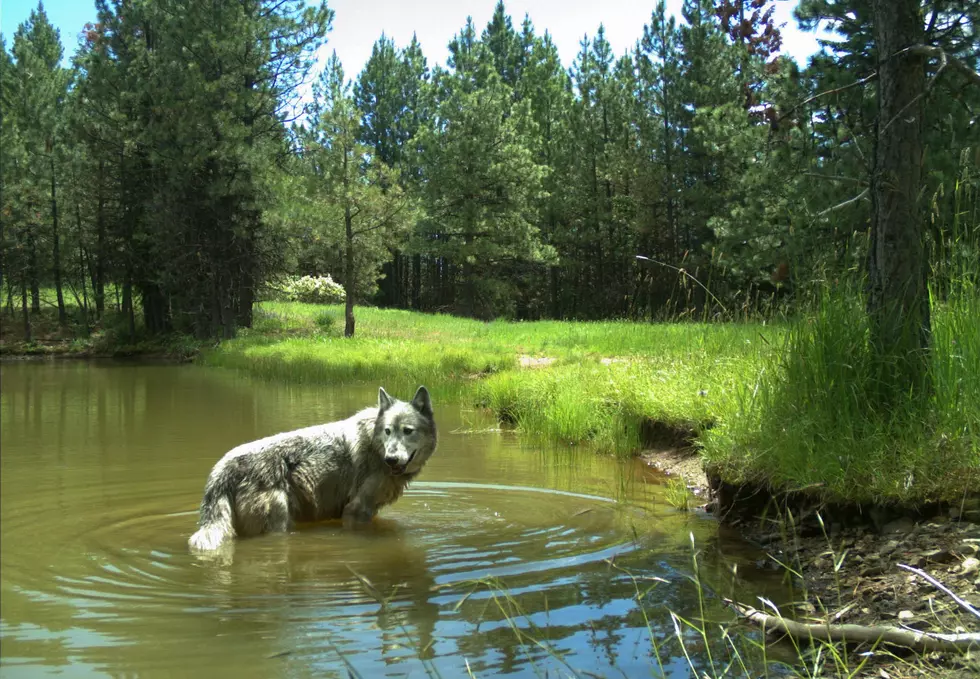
(503, 559)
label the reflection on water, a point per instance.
(513, 560)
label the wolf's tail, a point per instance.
(215, 525)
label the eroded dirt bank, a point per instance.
(845, 563)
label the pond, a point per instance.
(502, 559)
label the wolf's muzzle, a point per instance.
(393, 465)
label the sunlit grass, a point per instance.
(566, 383)
(814, 416)
(788, 405)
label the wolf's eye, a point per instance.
(408, 430)
(387, 431)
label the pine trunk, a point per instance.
(898, 302)
(416, 281)
(35, 281)
(98, 280)
(349, 274)
(26, 313)
(56, 249)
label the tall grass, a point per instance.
(813, 416)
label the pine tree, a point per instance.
(482, 182)
(359, 192)
(40, 84)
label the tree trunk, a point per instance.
(35, 282)
(81, 267)
(26, 313)
(348, 273)
(56, 249)
(555, 293)
(127, 307)
(98, 282)
(246, 298)
(416, 281)
(898, 302)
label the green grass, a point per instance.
(813, 419)
(787, 405)
(595, 383)
(783, 405)
(82, 335)
(814, 416)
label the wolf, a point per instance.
(340, 470)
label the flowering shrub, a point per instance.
(313, 290)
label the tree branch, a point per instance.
(836, 90)
(836, 178)
(940, 586)
(907, 638)
(847, 202)
(932, 52)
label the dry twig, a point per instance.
(907, 638)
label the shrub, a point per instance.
(312, 290)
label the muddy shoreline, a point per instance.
(843, 561)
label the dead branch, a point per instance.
(933, 52)
(836, 178)
(847, 202)
(907, 638)
(940, 586)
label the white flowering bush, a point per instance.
(313, 290)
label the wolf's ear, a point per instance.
(422, 403)
(384, 401)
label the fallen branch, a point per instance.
(940, 586)
(913, 639)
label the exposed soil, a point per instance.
(683, 463)
(847, 572)
(535, 361)
(853, 577)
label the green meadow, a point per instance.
(790, 405)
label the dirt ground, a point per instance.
(852, 575)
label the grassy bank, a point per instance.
(569, 383)
(813, 417)
(789, 405)
(784, 405)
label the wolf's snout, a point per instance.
(392, 461)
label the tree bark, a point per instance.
(127, 307)
(56, 249)
(98, 282)
(416, 281)
(348, 256)
(26, 313)
(81, 267)
(898, 303)
(555, 293)
(35, 282)
(348, 272)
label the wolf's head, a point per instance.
(407, 432)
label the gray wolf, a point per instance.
(341, 470)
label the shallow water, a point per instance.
(502, 558)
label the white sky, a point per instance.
(359, 23)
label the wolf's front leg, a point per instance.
(362, 508)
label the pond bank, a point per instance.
(849, 563)
(671, 393)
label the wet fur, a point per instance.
(329, 471)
